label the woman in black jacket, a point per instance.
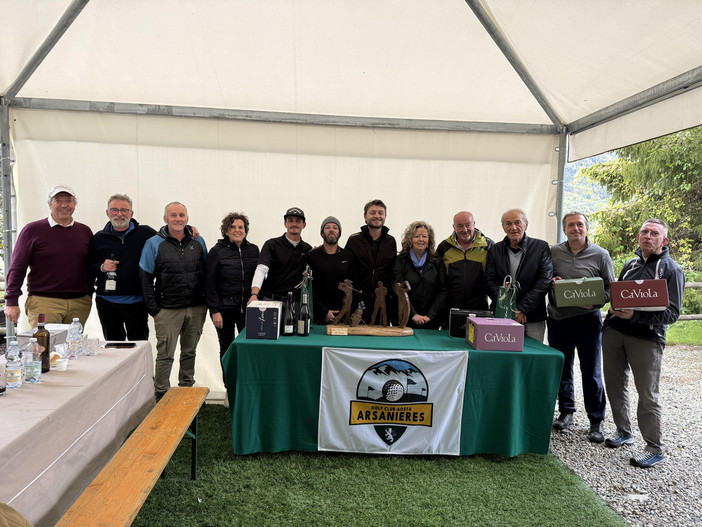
(230, 268)
(419, 265)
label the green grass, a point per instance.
(344, 489)
(685, 332)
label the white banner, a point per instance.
(391, 402)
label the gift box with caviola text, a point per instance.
(495, 334)
(579, 292)
(640, 295)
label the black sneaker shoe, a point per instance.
(595, 434)
(564, 421)
(618, 440)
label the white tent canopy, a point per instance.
(433, 107)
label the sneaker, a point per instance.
(618, 440)
(595, 434)
(646, 459)
(564, 421)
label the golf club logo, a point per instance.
(392, 396)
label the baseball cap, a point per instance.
(294, 211)
(61, 188)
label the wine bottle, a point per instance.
(303, 321)
(111, 278)
(44, 340)
(289, 317)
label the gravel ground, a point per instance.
(669, 494)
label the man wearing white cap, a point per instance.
(55, 250)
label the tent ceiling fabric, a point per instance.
(396, 59)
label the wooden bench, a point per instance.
(121, 488)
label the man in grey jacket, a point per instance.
(579, 327)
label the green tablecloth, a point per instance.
(273, 389)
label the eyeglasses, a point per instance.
(123, 211)
(652, 234)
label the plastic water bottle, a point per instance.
(32, 362)
(74, 339)
(3, 378)
(13, 369)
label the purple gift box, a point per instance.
(495, 334)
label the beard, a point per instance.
(330, 238)
(119, 223)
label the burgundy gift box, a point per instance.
(640, 295)
(495, 334)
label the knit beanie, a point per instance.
(330, 219)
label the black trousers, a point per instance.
(230, 318)
(123, 321)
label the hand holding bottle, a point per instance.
(109, 266)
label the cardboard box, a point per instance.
(263, 319)
(640, 295)
(579, 292)
(458, 317)
(495, 334)
(57, 335)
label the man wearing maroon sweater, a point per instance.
(55, 250)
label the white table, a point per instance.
(57, 435)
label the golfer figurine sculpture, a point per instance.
(345, 312)
(355, 327)
(358, 314)
(379, 305)
(403, 303)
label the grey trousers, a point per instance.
(535, 330)
(621, 353)
(170, 324)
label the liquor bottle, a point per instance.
(13, 369)
(111, 278)
(303, 321)
(289, 316)
(32, 362)
(44, 340)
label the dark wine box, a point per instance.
(263, 319)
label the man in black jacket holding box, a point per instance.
(633, 339)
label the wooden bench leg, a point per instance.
(191, 434)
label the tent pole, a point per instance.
(36, 103)
(68, 17)
(688, 81)
(6, 168)
(562, 158)
(506, 49)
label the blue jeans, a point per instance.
(583, 332)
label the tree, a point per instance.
(661, 178)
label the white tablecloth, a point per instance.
(57, 435)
